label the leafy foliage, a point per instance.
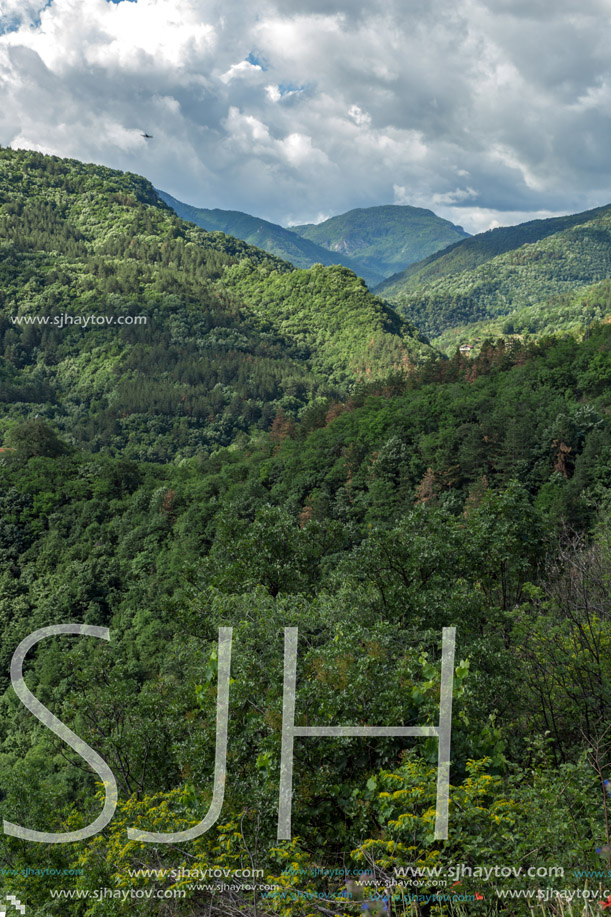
(371, 508)
(184, 361)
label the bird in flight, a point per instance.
(147, 136)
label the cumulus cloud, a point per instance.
(487, 111)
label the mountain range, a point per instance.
(543, 276)
(374, 242)
(384, 239)
(234, 334)
(209, 337)
(264, 235)
(539, 277)
(203, 446)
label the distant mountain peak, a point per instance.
(231, 335)
(374, 242)
(386, 237)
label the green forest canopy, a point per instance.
(538, 278)
(225, 349)
(370, 511)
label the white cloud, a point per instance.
(127, 36)
(293, 108)
(480, 219)
(16, 12)
(454, 197)
(359, 116)
(243, 69)
(509, 158)
(273, 92)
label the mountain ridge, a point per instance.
(271, 237)
(378, 238)
(499, 276)
(482, 247)
(218, 356)
(384, 236)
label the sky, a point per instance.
(489, 112)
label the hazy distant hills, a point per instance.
(268, 236)
(374, 242)
(468, 254)
(540, 277)
(384, 239)
(518, 279)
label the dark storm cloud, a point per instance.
(485, 111)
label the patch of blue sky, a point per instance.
(9, 25)
(291, 89)
(257, 60)
(16, 21)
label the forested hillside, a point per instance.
(474, 493)
(269, 236)
(467, 254)
(374, 242)
(187, 362)
(471, 283)
(276, 448)
(384, 239)
(572, 312)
